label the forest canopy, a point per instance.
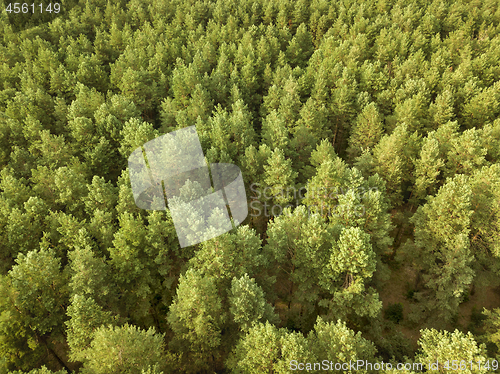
(368, 136)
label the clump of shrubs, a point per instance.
(394, 312)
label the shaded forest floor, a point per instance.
(404, 280)
(396, 291)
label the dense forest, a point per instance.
(368, 137)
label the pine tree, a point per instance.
(491, 326)
(298, 247)
(40, 290)
(91, 275)
(428, 169)
(253, 163)
(450, 349)
(279, 177)
(392, 161)
(442, 110)
(32, 302)
(100, 206)
(230, 255)
(125, 349)
(19, 346)
(490, 135)
(197, 318)
(275, 133)
(132, 267)
(442, 227)
(466, 154)
(266, 348)
(289, 106)
(339, 343)
(352, 264)
(367, 130)
(85, 317)
(248, 304)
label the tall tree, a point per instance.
(367, 130)
(444, 351)
(442, 247)
(279, 177)
(248, 304)
(196, 317)
(265, 348)
(392, 161)
(126, 349)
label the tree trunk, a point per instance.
(43, 339)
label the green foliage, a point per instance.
(18, 344)
(40, 289)
(492, 324)
(336, 340)
(300, 245)
(442, 227)
(85, 317)
(367, 131)
(279, 177)
(125, 349)
(196, 318)
(230, 255)
(392, 161)
(248, 304)
(268, 348)
(394, 312)
(445, 346)
(43, 370)
(348, 114)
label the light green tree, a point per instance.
(450, 350)
(279, 177)
(367, 130)
(85, 317)
(442, 246)
(196, 316)
(43, 370)
(248, 304)
(265, 348)
(392, 160)
(125, 349)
